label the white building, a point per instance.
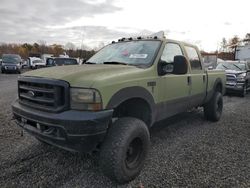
(243, 52)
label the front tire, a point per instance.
(213, 109)
(124, 150)
(244, 91)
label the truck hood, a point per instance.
(83, 75)
(234, 72)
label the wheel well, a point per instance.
(135, 107)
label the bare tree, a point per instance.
(70, 46)
(99, 46)
(42, 45)
(233, 42)
(223, 45)
(42, 42)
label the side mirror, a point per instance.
(179, 66)
(84, 61)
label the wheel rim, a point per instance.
(134, 153)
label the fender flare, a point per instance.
(130, 93)
(219, 81)
(211, 93)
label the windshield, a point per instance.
(11, 59)
(65, 61)
(130, 53)
(232, 66)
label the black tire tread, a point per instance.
(209, 111)
(244, 91)
(109, 156)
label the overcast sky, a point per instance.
(97, 22)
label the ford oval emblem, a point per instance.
(31, 93)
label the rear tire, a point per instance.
(125, 149)
(213, 109)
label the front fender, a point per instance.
(130, 93)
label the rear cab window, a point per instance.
(194, 59)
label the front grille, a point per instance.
(43, 94)
(231, 78)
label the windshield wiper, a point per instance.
(89, 62)
(115, 63)
(237, 66)
(224, 66)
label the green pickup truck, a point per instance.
(109, 103)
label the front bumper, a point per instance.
(72, 130)
(237, 87)
(8, 68)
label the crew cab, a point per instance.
(238, 76)
(109, 103)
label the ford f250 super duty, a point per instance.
(110, 102)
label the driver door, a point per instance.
(174, 89)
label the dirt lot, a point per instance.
(186, 151)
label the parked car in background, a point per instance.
(35, 62)
(11, 63)
(24, 64)
(238, 76)
(58, 61)
(38, 63)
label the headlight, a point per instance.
(241, 77)
(85, 99)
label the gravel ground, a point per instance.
(186, 151)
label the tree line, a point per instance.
(229, 45)
(42, 48)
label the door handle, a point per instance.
(204, 78)
(189, 81)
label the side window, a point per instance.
(193, 58)
(171, 50)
